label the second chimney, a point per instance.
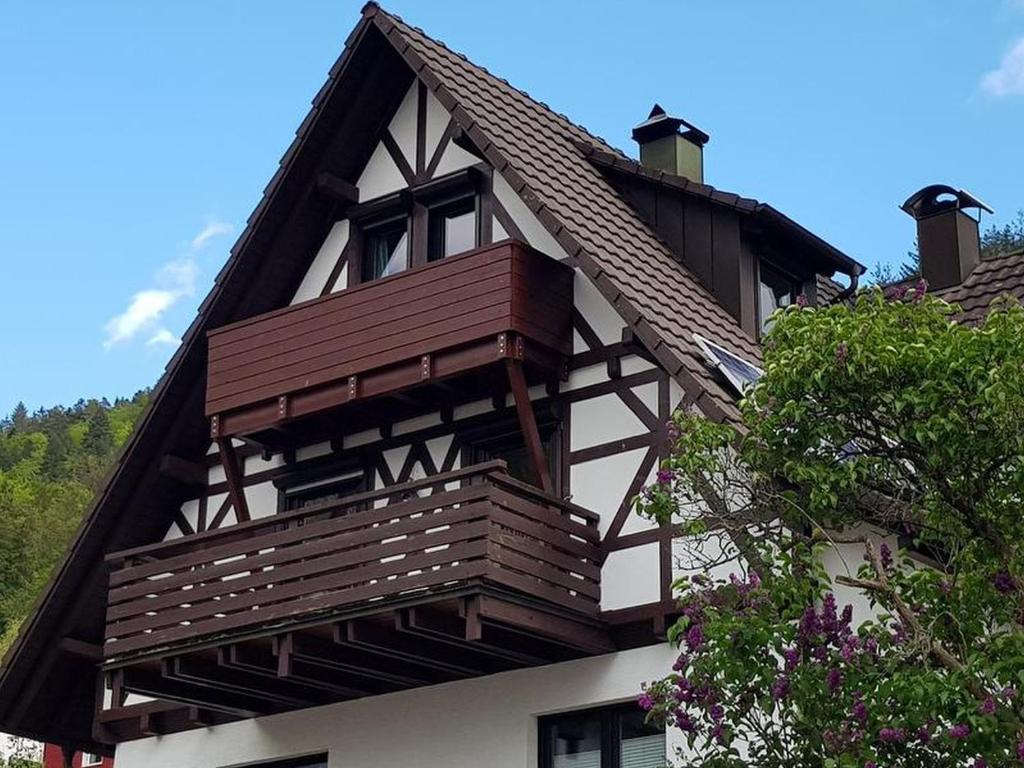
(947, 236)
(672, 145)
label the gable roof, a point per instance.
(536, 150)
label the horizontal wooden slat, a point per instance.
(301, 563)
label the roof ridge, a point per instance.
(372, 8)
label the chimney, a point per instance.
(947, 236)
(672, 145)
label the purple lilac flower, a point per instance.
(979, 762)
(920, 290)
(685, 723)
(1004, 582)
(842, 352)
(988, 706)
(665, 476)
(924, 734)
(859, 711)
(801, 300)
(716, 712)
(1009, 693)
(870, 764)
(780, 688)
(946, 586)
(808, 625)
(645, 701)
(672, 431)
(792, 657)
(695, 638)
(833, 679)
(681, 663)
(892, 735)
(885, 554)
(849, 649)
(1020, 751)
(829, 617)
(959, 731)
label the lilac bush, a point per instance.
(872, 421)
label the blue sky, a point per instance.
(135, 138)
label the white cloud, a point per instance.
(175, 280)
(1008, 78)
(210, 231)
(144, 310)
(163, 337)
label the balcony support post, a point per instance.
(233, 476)
(528, 422)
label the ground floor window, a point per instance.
(613, 737)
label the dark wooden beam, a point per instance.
(391, 643)
(147, 683)
(333, 656)
(528, 423)
(451, 630)
(245, 658)
(190, 473)
(233, 474)
(564, 629)
(337, 188)
(81, 650)
(204, 674)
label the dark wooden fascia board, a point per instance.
(30, 656)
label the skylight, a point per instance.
(737, 371)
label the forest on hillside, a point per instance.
(51, 464)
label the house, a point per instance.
(378, 509)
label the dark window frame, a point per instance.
(610, 718)
(415, 204)
(323, 475)
(796, 287)
(315, 760)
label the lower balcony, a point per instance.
(462, 574)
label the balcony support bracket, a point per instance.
(233, 475)
(528, 422)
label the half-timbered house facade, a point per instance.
(378, 510)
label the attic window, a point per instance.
(776, 290)
(385, 249)
(427, 222)
(453, 228)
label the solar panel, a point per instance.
(736, 370)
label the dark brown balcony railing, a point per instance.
(470, 528)
(434, 322)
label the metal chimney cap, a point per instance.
(659, 124)
(925, 202)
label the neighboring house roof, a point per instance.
(538, 153)
(994, 277)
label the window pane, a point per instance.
(387, 251)
(452, 229)
(459, 233)
(575, 741)
(776, 291)
(641, 745)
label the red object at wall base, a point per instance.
(53, 757)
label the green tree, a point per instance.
(878, 418)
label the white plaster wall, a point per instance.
(403, 124)
(631, 577)
(478, 723)
(315, 279)
(380, 176)
(534, 232)
(454, 158)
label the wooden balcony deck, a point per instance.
(434, 322)
(456, 575)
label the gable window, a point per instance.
(776, 290)
(614, 737)
(453, 228)
(419, 225)
(385, 249)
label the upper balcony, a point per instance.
(460, 574)
(451, 317)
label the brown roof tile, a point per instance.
(993, 278)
